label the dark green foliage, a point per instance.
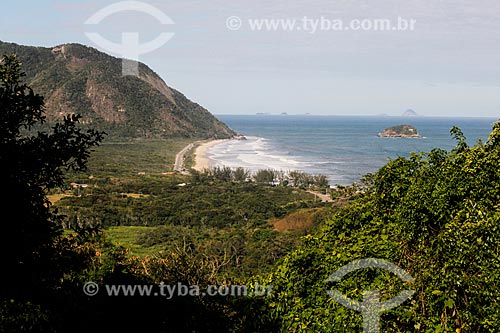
(33, 163)
(404, 129)
(34, 254)
(224, 174)
(214, 210)
(436, 215)
(240, 174)
(240, 251)
(265, 176)
(208, 199)
(43, 268)
(213, 203)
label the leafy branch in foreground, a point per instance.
(32, 163)
(437, 216)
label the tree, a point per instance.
(321, 181)
(240, 174)
(33, 163)
(264, 176)
(433, 214)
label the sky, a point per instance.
(447, 65)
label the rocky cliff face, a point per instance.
(77, 79)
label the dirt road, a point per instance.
(181, 156)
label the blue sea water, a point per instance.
(344, 148)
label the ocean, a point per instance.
(344, 148)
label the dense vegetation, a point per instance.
(35, 256)
(220, 210)
(81, 80)
(435, 215)
(163, 201)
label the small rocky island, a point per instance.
(400, 131)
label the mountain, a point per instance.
(75, 78)
(409, 113)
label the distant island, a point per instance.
(400, 131)
(410, 113)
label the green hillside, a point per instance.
(435, 215)
(78, 79)
(124, 221)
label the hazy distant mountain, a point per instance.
(410, 113)
(78, 79)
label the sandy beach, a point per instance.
(201, 160)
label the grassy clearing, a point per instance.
(303, 219)
(53, 198)
(122, 159)
(127, 236)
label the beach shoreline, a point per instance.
(201, 159)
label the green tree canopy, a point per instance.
(33, 163)
(437, 216)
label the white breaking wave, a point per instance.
(254, 153)
(258, 153)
